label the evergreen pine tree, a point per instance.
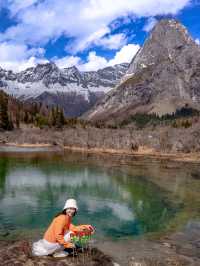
(52, 117)
(18, 117)
(26, 117)
(4, 118)
(62, 117)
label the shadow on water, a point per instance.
(120, 196)
(3, 173)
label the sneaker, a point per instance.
(61, 254)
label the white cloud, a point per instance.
(87, 22)
(95, 62)
(197, 41)
(17, 66)
(18, 5)
(98, 38)
(113, 42)
(68, 61)
(12, 51)
(121, 21)
(18, 57)
(125, 55)
(82, 44)
(150, 24)
(98, 9)
(81, 19)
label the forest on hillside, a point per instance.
(13, 113)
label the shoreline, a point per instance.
(182, 157)
(179, 248)
(142, 151)
(27, 145)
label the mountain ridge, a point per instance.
(69, 88)
(163, 76)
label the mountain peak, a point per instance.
(168, 27)
(46, 66)
(71, 70)
(169, 23)
(166, 41)
(69, 88)
(162, 77)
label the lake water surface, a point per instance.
(121, 198)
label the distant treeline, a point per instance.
(14, 113)
(181, 118)
(141, 120)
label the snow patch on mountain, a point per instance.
(49, 78)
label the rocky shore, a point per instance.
(19, 253)
(177, 249)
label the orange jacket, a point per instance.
(58, 228)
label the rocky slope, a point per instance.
(69, 88)
(162, 77)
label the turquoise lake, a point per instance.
(118, 201)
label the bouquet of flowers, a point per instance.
(83, 237)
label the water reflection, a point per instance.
(32, 190)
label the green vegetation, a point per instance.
(14, 113)
(5, 119)
(181, 118)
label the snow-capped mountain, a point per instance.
(69, 88)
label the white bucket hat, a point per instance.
(71, 203)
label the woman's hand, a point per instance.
(89, 228)
(69, 245)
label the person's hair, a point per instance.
(63, 212)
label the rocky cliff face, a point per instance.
(162, 77)
(69, 88)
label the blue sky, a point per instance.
(90, 34)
